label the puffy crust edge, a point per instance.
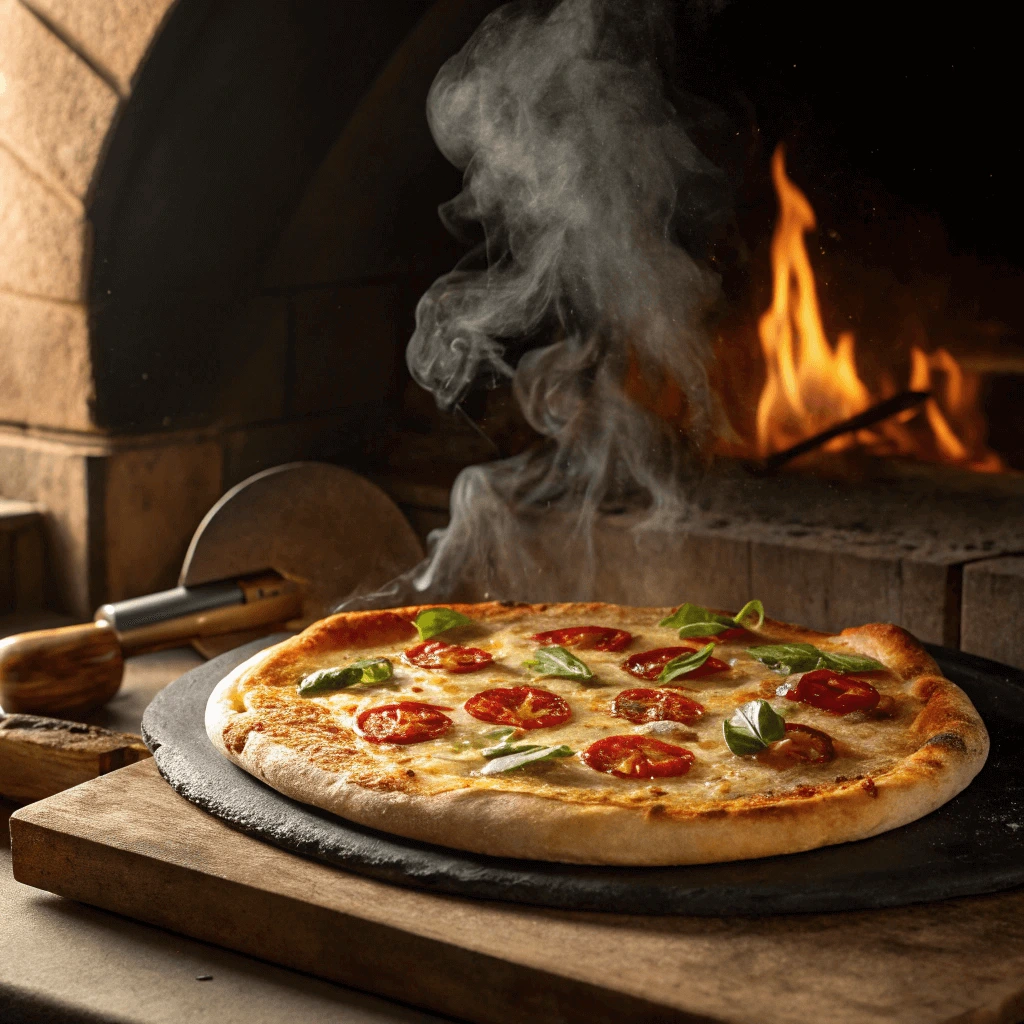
(954, 746)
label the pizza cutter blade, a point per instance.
(279, 549)
(323, 527)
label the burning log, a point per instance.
(868, 418)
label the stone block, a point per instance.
(113, 34)
(931, 601)
(117, 515)
(23, 581)
(154, 498)
(793, 583)
(347, 347)
(44, 236)
(45, 367)
(991, 618)
(55, 111)
(56, 477)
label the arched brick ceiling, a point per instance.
(66, 68)
(150, 153)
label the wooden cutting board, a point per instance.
(126, 842)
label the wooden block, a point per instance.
(993, 597)
(43, 756)
(128, 844)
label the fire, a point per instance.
(812, 384)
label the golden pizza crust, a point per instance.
(927, 750)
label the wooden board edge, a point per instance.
(349, 950)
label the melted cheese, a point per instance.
(324, 727)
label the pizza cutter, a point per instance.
(279, 550)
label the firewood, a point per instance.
(43, 756)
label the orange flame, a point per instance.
(811, 385)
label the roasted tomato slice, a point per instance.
(526, 707)
(800, 744)
(450, 657)
(408, 722)
(594, 638)
(637, 757)
(832, 692)
(649, 664)
(642, 705)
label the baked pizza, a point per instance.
(602, 734)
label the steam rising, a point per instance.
(586, 187)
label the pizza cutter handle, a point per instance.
(65, 671)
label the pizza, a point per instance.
(602, 734)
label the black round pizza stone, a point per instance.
(972, 845)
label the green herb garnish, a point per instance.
(696, 620)
(695, 614)
(685, 663)
(506, 737)
(509, 748)
(557, 661)
(754, 608)
(369, 670)
(502, 735)
(432, 621)
(510, 762)
(752, 727)
(788, 658)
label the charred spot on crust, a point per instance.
(951, 740)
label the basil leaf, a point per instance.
(691, 614)
(500, 735)
(702, 629)
(788, 658)
(557, 661)
(510, 748)
(513, 761)
(685, 663)
(751, 608)
(752, 727)
(369, 670)
(696, 620)
(375, 670)
(851, 663)
(432, 621)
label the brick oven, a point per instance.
(188, 292)
(217, 220)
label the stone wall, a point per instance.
(215, 220)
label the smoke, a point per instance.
(591, 197)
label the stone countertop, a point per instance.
(61, 961)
